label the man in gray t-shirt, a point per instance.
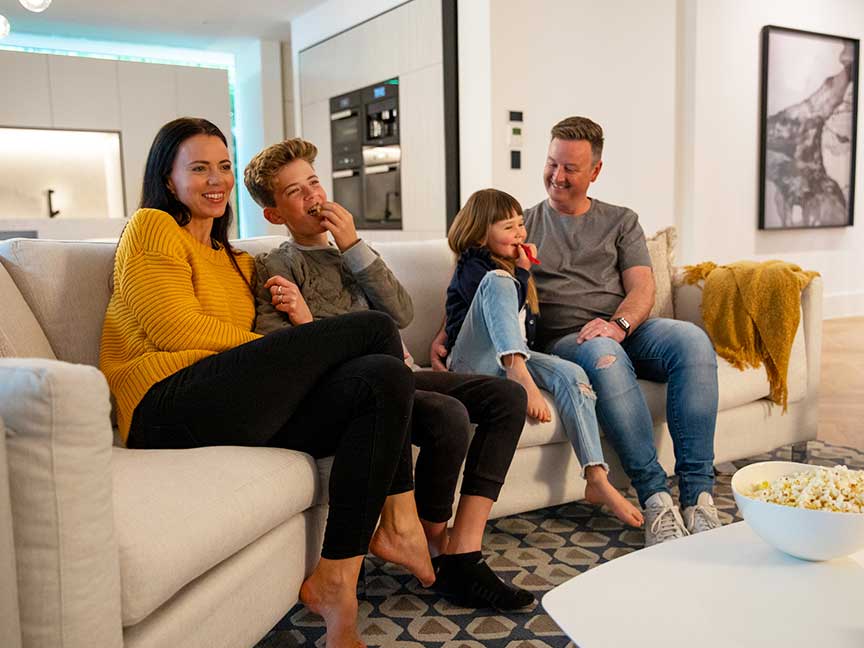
(580, 278)
(596, 290)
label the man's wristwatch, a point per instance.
(623, 324)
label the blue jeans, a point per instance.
(491, 330)
(663, 350)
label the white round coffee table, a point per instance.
(725, 587)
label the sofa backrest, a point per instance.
(66, 284)
(65, 287)
(423, 267)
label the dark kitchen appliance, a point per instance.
(364, 130)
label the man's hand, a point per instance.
(523, 261)
(601, 328)
(438, 352)
(340, 223)
(287, 298)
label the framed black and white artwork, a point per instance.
(809, 120)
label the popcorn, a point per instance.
(835, 489)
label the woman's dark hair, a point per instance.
(155, 193)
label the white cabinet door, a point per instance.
(203, 92)
(26, 90)
(148, 99)
(84, 93)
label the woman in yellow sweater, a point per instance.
(186, 370)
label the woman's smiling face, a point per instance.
(202, 176)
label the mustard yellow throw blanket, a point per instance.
(751, 311)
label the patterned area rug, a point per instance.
(536, 550)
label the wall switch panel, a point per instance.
(515, 159)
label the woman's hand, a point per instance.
(340, 223)
(287, 298)
(523, 261)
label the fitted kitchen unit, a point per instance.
(401, 192)
(366, 155)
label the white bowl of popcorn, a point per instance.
(822, 511)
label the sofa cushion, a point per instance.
(735, 388)
(180, 512)
(424, 268)
(67, 285)
(20, 333)
(661, 249)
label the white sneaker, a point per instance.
(702, 516)
(662, 519)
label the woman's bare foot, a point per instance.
(517, 371)
(331, 592)
(600, 491)
(399, 538)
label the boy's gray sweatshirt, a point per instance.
(331, 282)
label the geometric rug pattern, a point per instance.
(536, 550)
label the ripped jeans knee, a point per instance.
(605, 361)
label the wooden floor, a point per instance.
(841, 401)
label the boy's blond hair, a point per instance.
(259, 173)
(483, 209)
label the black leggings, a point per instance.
(445, 406)
(332, 387)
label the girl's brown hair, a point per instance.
(471, 226)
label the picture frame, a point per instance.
(808, 134)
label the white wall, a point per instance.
(474, 23)
(136, 99)
(611, 61)
(406, 43)
(726, 146)
(675, 84)
(258, 105)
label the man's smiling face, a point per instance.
(570, 169)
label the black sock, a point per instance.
(466, 580)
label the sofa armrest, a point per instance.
(688, 303)
(811, 320)
(10, 625)
(58, 440)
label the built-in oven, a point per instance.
(346, 131)
(383, 200)
(348, 191)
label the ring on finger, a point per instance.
(278, 290)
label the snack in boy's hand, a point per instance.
(527, 250)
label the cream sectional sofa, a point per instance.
(208, 547)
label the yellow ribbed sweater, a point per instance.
(175, 301)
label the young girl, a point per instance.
(492, 313)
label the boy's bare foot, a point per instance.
(406, 547)
(600, 491)
(537, 407)
(333, 596)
